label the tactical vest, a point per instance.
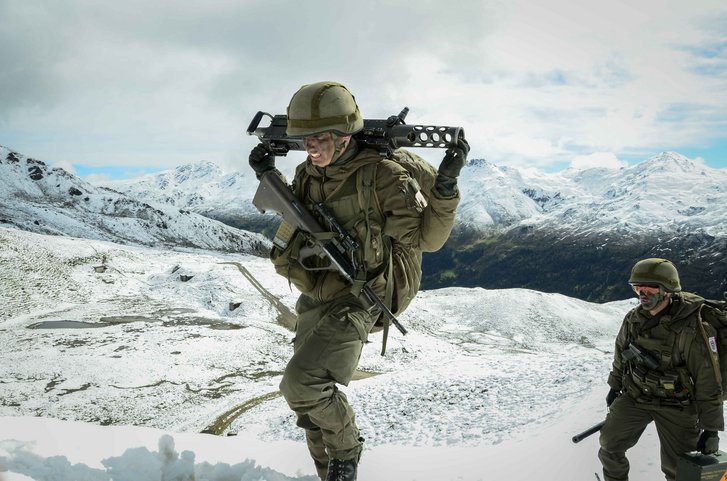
(355, 204)
(393, 270)
(670, 384)
(345, 203)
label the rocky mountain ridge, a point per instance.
(38, 198)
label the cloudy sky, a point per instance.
(117, 88)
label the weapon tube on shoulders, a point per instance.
(384, 135)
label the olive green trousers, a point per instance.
(327, 347)
(626, 421)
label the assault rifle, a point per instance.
(641, 356)
(384, 135)
(274, 195)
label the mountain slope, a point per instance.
(40, 199)
(203, 188)
(577, 232)
(664, 193)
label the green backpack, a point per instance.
(404, 272)
(713, 312)
(405, 266)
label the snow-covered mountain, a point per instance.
(579, 232)
(46, 200)
(576, 232)
(203, 188)
(667, 193)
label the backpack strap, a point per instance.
(366, 188)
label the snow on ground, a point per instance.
(121, 369)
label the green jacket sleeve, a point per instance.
(427, 228)
(438, 221)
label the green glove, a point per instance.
(708, 442)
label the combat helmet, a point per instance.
(656, 271)
(323, 107)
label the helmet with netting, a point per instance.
(323, 107)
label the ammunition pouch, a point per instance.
(286, 263)
(665, 389)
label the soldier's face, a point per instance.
(649, 295)
(324, 148)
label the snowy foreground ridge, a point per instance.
(113, 373)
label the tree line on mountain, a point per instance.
(591, 267)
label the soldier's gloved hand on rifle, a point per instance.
(611, 396)
(261, 160)
(708, 442)
(449, 169)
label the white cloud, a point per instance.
(531, 82)
(98, 179)
(602, 160)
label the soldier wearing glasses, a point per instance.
(662, 372)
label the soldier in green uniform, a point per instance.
(662, 372)
(333, 324)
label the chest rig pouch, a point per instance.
(344, 203)
(655, 371)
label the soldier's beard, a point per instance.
(649, 302)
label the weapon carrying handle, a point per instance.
(256, 121)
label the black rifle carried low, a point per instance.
(274, 195)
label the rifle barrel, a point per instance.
(593, 429)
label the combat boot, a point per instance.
(342, 470)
